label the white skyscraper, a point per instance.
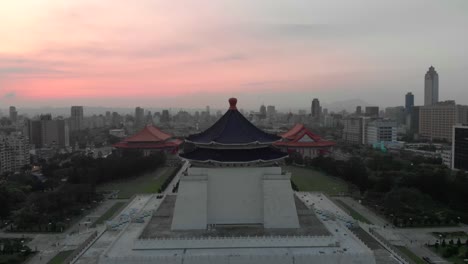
(431, 87)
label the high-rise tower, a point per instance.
(139, 117)
(76, 118)
(409, 102)
(315, 109)
(13, 114)
(431, 87)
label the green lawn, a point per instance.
(411, 255)
(310, 180)
(146, 183)
(109, 213)
(354, 214)
(60, 257)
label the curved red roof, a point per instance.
(149, 137)
(300, 136)
(291, 134)
(149, 134)
(143, 145)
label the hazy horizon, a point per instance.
(187, 55)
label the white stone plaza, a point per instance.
(135, 241)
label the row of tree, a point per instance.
(414, 191)
(37, 205)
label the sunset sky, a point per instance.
(193, 53)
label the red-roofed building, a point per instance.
(150, 139)
(301, 140)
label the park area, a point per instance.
(60, 257)
(14, 250)
(451, 251)
(147, 183)
(311, 180)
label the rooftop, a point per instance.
(232, 129)
(300, 136)
(149, 137)
(266, 154)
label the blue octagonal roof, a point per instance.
(233, 129)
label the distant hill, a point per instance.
(348, 105)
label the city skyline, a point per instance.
(157, 53)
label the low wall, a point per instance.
(334, 258)
(392, 249)
(235, 242)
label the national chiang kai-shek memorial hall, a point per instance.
(234, 204)
(234, 179)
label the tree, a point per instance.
(357, 173)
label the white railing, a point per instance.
(389, 247)
(299, 258)
(236, 242)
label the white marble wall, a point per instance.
(235, 196)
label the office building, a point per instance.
(358, 110)
(13, 114)
(396, 113)
(431, 87)
(263, 112)
(460, 147)
(315, 109)
(436, 121)
(46, 132)
(14, 152)
(412, 122)
(354, 130)
(76, 118)
(165, 117)
(372, 111)
(446, 155)
(139, 117)
(409, 102)
(271, 111)
(116, 120)
(379, 131)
